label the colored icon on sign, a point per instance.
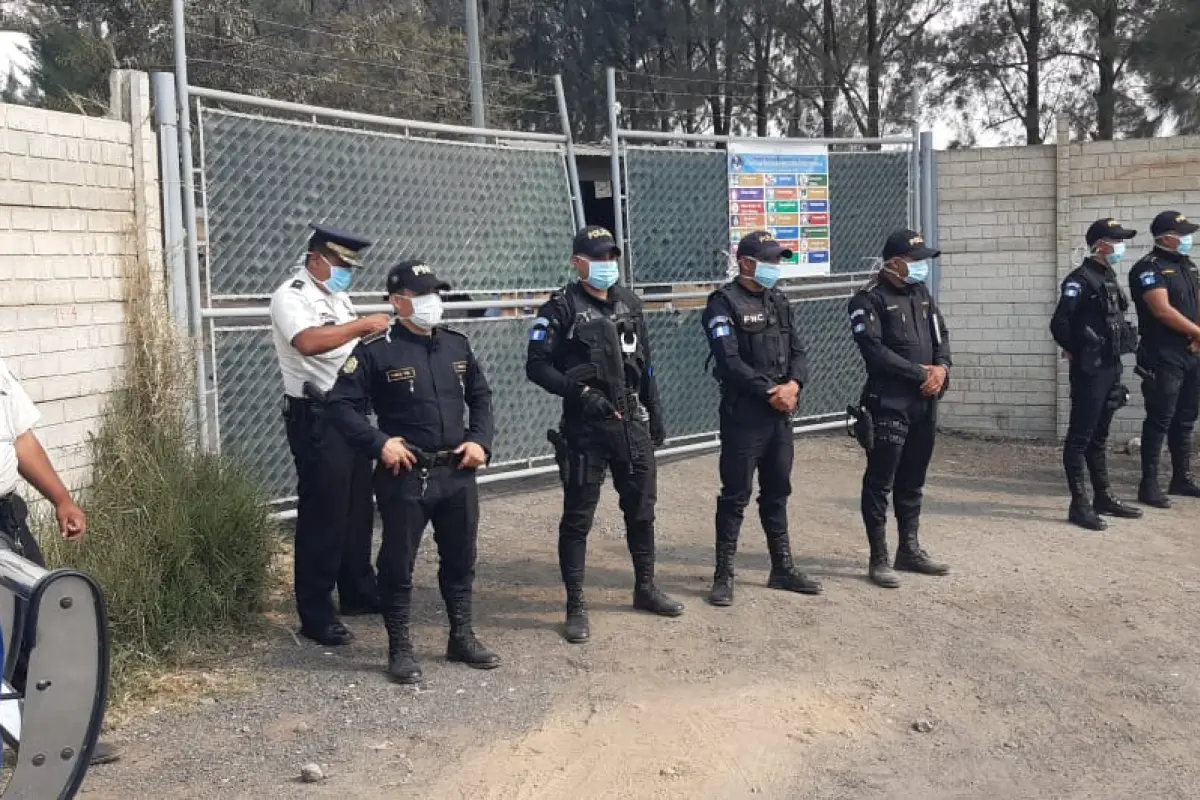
(746, 194)
(818, 257)
(781, 180)
(776, 220)
(783, 207)
(787, 233)
(747, 181)
(782, 194)
(816, 193)
(817, 206)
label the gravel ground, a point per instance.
(1051, 663)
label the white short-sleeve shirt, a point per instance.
(18, 415)
(299, 304)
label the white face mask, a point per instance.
(427, 311)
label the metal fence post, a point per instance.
(929, 222)
(189, 216)
(614, 135)
(475, 65)
(572, 167)
(163, 87)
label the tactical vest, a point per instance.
(764, 331)
(608, 353)
(1120, 337)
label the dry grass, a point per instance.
(180, 540)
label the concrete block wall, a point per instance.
(1011, 226)
(996, 226)
(70, 187)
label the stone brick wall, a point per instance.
(78, 202)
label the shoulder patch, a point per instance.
(351, 365)
(1071, 289)
(298, 284)
(1149, 279)
(715, 321)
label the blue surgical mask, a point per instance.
(603, 274)
(918, 272)
(340, 279)
(766, 275)
(1115, 256)
(1185, 244)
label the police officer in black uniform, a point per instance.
(1164, 286)
(420, 377)
(761, 365)
(589, 346)
(1089, 324)
(906, 348)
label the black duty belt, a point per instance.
(437, 458)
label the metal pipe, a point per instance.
(659, 136)
(614, 134)
(189, 215)
(163, 91)
(572, 167)
(532, 472)
(929, 227)
(220, 96)
(475, 65)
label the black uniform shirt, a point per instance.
(428, 390)
(1080, 322)
(894, 329)
(738, 339)
(552, 351)
(1161, 269)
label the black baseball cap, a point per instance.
(345, 245)
(415, 276)
(761, 246)
(1172, 222)
(595, 241)
(908, 244)
(1108, 228)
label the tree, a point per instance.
(1167, 58)
(1108, 33)
(1008, 62)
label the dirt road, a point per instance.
(1052, 663)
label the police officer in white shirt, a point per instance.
(22, 455)
(315, 328)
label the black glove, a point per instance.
(596, 407)
(658, 432)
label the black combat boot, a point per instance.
(402, 664)
(1149, 491)
(784, 574)
(910, 557)
(722, 588)
(1081, 512)
(646, 595)
(1182, 482)
(880, 569)
(463, 646)
(576, 629)
(1105, 502)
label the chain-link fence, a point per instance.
(496, 219)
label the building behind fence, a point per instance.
(80, 195)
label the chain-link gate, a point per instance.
(495, 219)
(493, 212)
(675, 220)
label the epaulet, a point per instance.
(869, 286)
(298, 284)
(374, 337)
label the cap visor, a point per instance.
(1121, 234)
(769, 250)
(1184, 228)
(922, 253)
